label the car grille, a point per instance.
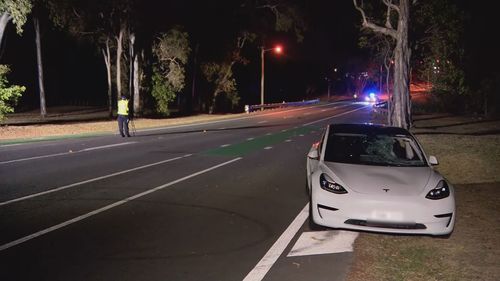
(386, 225)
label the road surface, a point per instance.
(218, 201)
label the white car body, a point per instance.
(378, 198)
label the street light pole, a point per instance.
(278, 50)
(262, 51)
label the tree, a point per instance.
(287, 16)
(8, 94)
(171, 50)
(221, 73)
(105, 23)
(400, 113)
(15, 10)
(439, 53)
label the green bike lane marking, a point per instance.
(248, 146)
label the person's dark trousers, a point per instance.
(123, 125)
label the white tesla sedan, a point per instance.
(377, 178)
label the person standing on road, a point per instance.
(123, 116)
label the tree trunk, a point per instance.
(43, 109)
(119, 51)
(4, 20)
(131, 68)
(401, 117)
(107, 60)
(193, 82)
(137, 93)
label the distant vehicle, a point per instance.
(371, 97)
(377, 178)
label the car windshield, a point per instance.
(379, 149)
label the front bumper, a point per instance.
(389, 214)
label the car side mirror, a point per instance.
(433, 160)
(313, 154)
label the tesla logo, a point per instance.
(386, 189)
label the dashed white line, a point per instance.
(90, 180)
(105, 208)
(225, 145)
(268, 147)
(249, 139)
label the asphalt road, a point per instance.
(217, 201)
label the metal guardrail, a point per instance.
(250, 108)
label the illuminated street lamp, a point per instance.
(278, 50)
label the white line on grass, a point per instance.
(261, 269)
(90, 180)
(108, 207)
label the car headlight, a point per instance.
(329, 185)
(439, 192)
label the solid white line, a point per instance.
(90, 180)
(105, 208)
(106, 146)
(333, 116)
(65, 153)
(265, 264)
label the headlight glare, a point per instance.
(328, 184)
(439, 192)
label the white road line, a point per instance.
(236, 119)
(262, 122)
(268, 147)
(90, 180)
(288, 140)
(225, 145)
(260, 270)
(249, 139)
(65, 153)
(108, 207)
(333, 116)
(107, 146)
(35, 157)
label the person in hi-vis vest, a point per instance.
(123, 116)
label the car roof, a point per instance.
(367, 129)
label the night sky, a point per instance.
(74, 69)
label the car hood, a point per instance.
(398, 181)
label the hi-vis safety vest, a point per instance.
(123, 107)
